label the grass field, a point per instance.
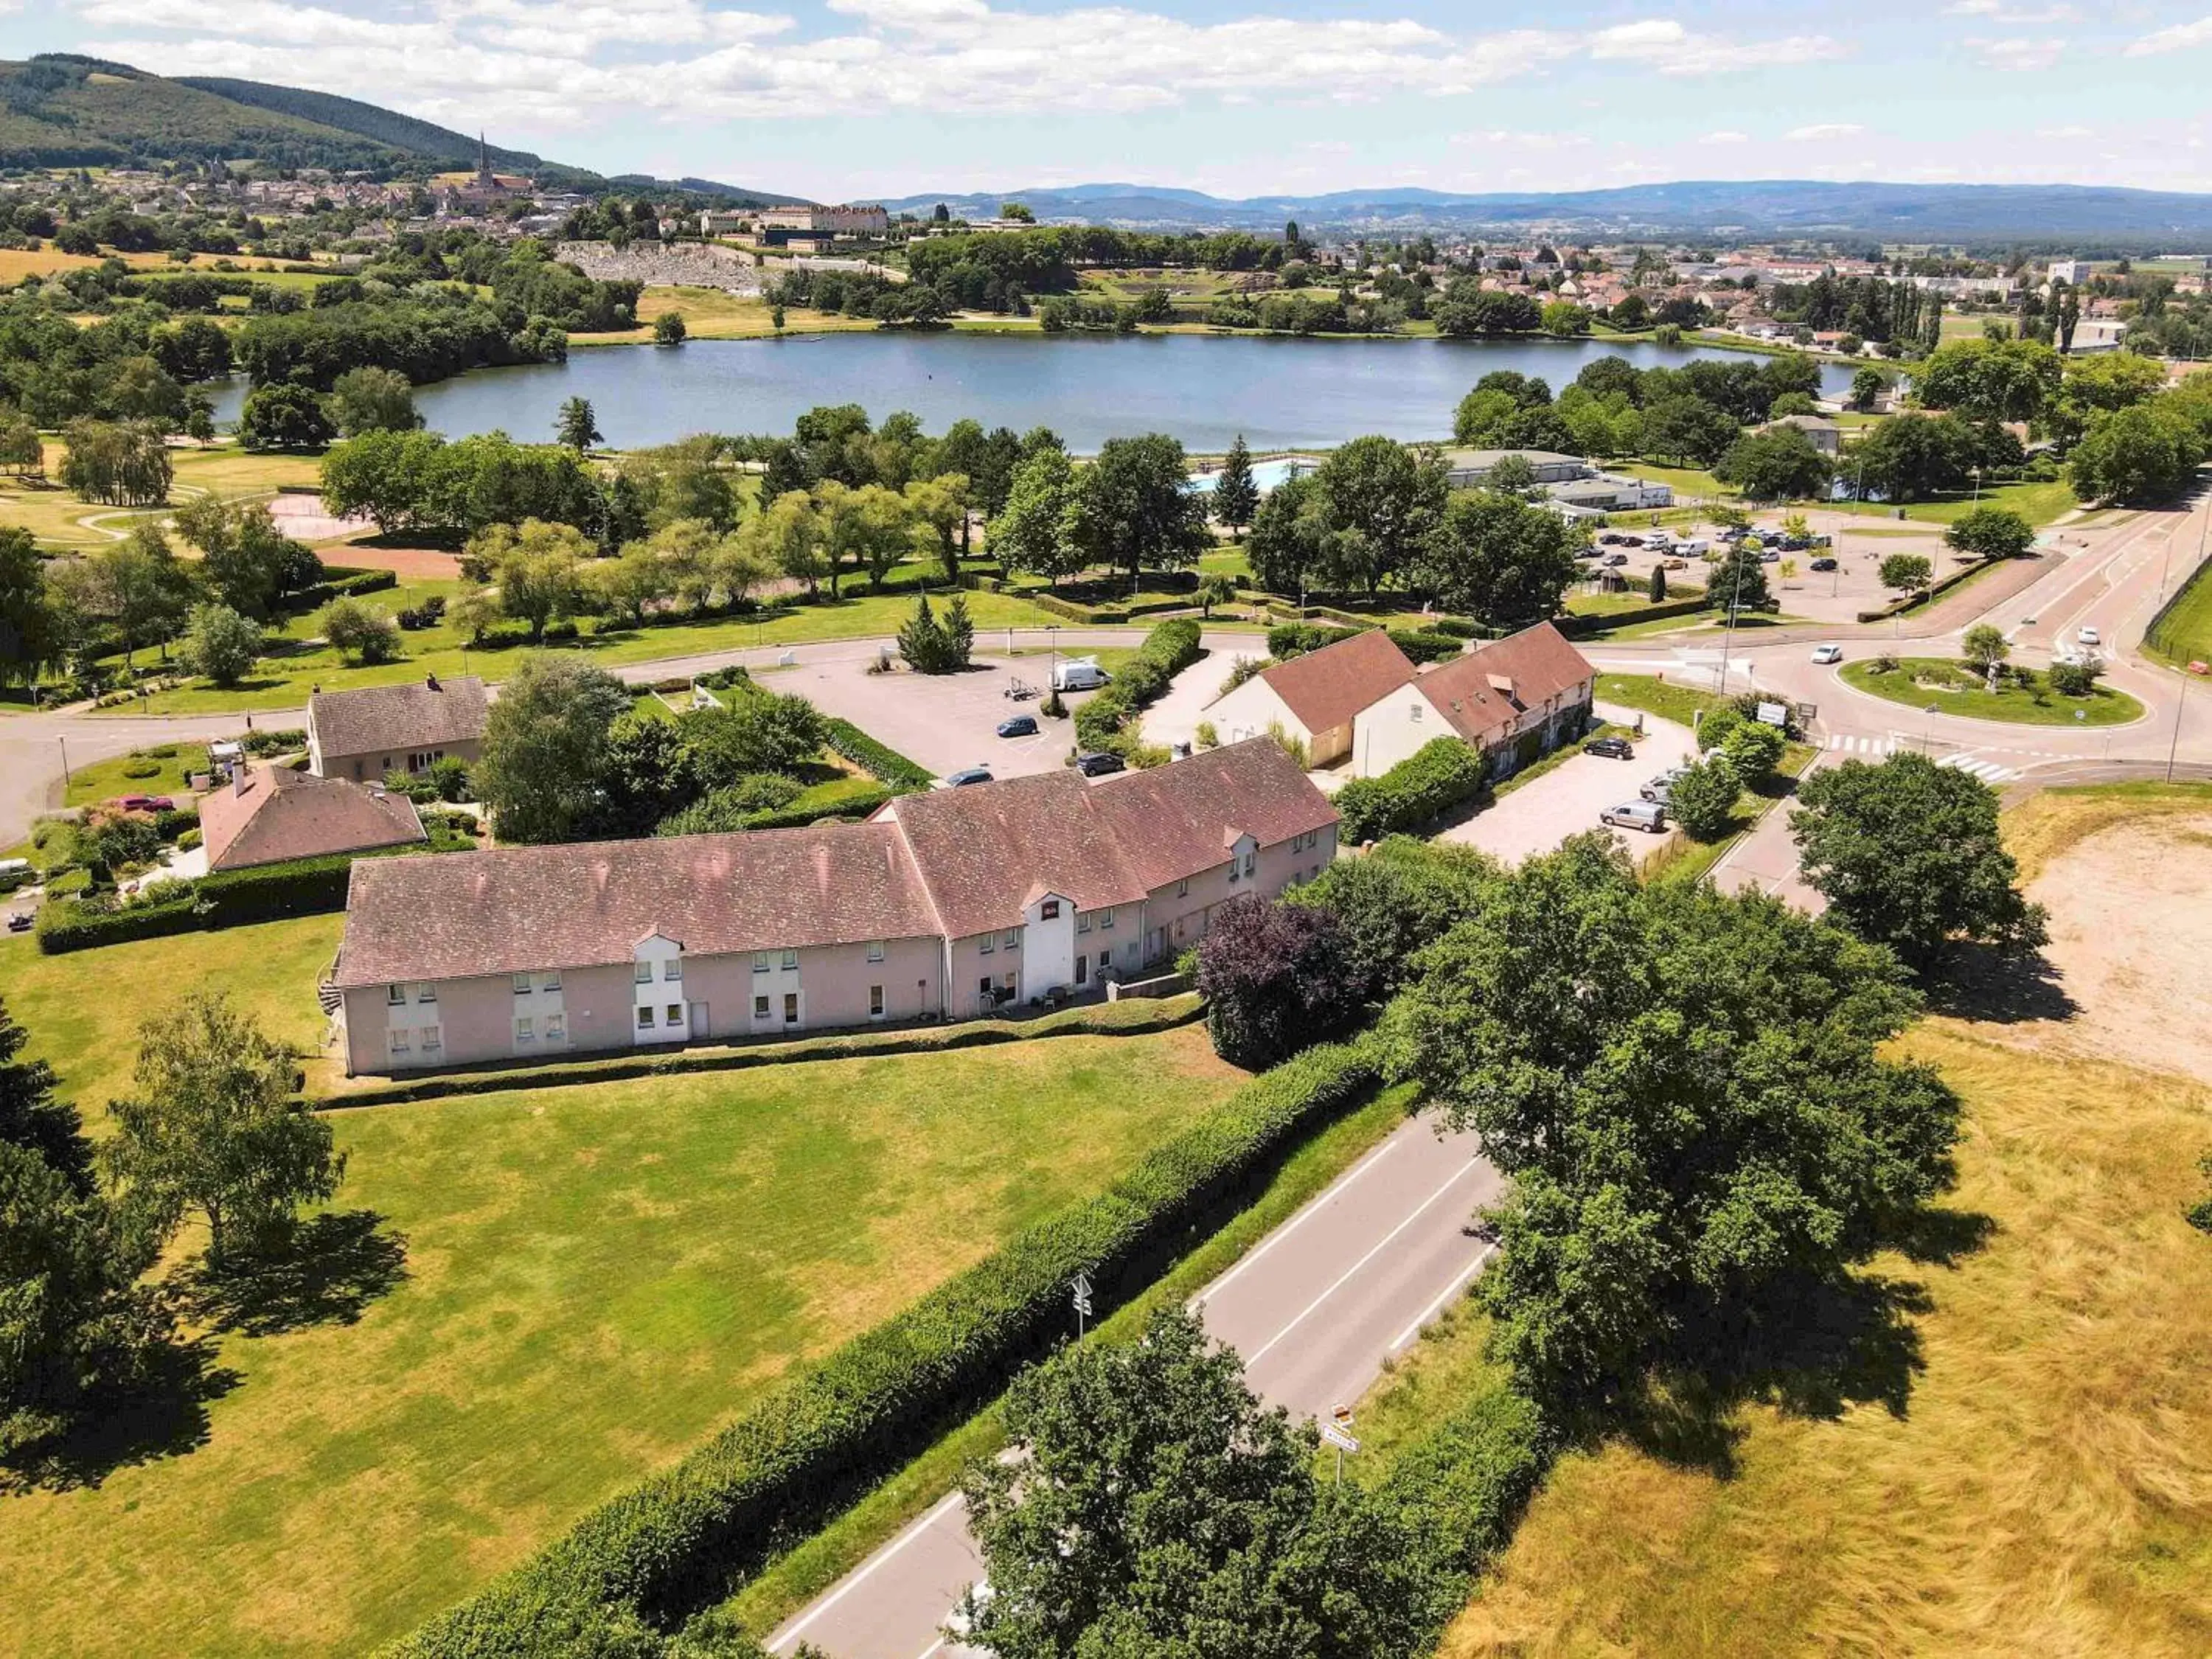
(594, 1278)
(1627, 602)
(1678, 703)
(2183, 635)
(2047, 1488)
(106, 779)
(2012, 705)
(712, 313)
(63, 523)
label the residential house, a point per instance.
(272, 815)
(1514, 699)
(1313, 699)
(946, 905)
(365, 734)
(1827, 437)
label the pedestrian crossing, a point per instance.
(1987, 770)
(1967, 761)
(1845, 743)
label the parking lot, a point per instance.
(1567, 800)
(1860, 545)
(942, 722)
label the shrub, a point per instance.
(449, 779)
(189, 840)
(1295, 639)
(364, 632)
(1244, 669)
(1274, 978)
(281, 741)
(141, 768)
(1715, 724)
(1170, 648)
(674, 1541)
(1436, 777)
(878, 761)
(2073, 679)
(1703, 799)
(1425, 645)
(1752, 750)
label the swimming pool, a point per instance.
(1266, 474)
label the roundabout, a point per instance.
(1954, 689)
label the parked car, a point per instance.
(20, 923)
(147, 804)
(1824, 564)
(1616, 558)
(1099, 763)
(1611, 748)
(1676, 564)
(1797, 544)
(1021, 726)
(1661, 789)
(1825, 653)
(967, 775)
(1636, 815)
(1082, 674)
(1770, 556)
(2087, 636)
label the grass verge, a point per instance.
(2012, 705)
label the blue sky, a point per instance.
(852, 99)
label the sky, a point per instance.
(852, 100)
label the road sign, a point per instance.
(1807, 713)
(1774, 714)
(1080, 1293)
(1338, 1437)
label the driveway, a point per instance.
(1566, 800)
(1174, 718)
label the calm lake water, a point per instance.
(1280, 393)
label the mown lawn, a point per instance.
(2012, 704)
(594, 1278)
(104, 779)
(63, 522)
(1678, 703)
(711, 314)
(2185, 633)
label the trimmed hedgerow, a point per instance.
(1170, 648)
(1431, 780)
(877, 759)
(677, 1540)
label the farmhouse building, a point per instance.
(947, 905)
(364, 734)
(272, 815)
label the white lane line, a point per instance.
(1296, 1221)
(933, 1648)
(790, 1633)
(1450, 1291)
(1254, 1358)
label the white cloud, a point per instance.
(1665, 46)
(2020, 52)
(1998, 12)
(1725, 137)
(2180, 38)
(1823, 130)
(1510, 139)
(2065, 132)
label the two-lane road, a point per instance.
(1315, 1309)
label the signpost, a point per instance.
(1080, 1293)
(1774, 714)
(1337, 1432)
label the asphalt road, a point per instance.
(1315, 1309)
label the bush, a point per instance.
(283, 740)
(877, 759)
(364, 632)
(1274, 978)
(1425, 645)
(449, 779)
(1170, 648)
(189, 840)
(2073, 679)
(1715, 724)
(1436, 777)
(675, 1540)
(1703, 799)
(1752, 750)
(1295, 639)
(141, 768)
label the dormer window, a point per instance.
(1049, 911)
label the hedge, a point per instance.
(340, 581)
(1105, 616)
(1133, 1016)
(1467, 1480)
(227, 898)
(679, 1540)
(1576, 628)
(1170, 648)
(796, 818)
(1428, 782)
(1424, 645)
(877, 759)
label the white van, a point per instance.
(1636, 815)
(1080, 674)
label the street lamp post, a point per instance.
(65, 771)
(2175, 746)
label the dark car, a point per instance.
(967, 775)
(1099, 763)
(1021, 726)
(20, 923)
(1612, 748)
(1824, 564)
(147, 804)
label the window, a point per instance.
(426, 994)
(395, 996)
(1050, 910)
(556, 1027)
(875, 1002)
(1415, 714)
(673, 969)
(791, 1007)
(1106, 919)
(641, 973)
(983, 987)
(675, 1013)
(525, 1029)
(989, 945)
(433, 1040)
(1082, 922)
(1251, 862)
(1232, 869)
(398, 1042)
(522, 985)
(549, 981)
(1183, 888)
(760, 962)
(760, 1007)
(645, 1016)
(875, 950)
(790, 961)
(1013, 939)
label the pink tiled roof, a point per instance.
(1471, 691)
(984, 848)
(1325, 688)
(280, 814)
(1175, 821)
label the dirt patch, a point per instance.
(2130, 929)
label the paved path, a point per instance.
(1315, 1309)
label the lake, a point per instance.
(1280, 393)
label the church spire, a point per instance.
(484, 159)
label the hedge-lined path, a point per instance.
(1315, 1309)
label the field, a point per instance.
(104, 779)
(2184, 634)
(2012, 705)
(2044, 1482)
(63, 523)
(712, 313)
(1679, 703)
(593, 1277)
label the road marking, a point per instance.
(1459, 1176)
(1450, 1291)
(1288, 1227)
(790, 1633)
(1987, 771)
(1848, 745)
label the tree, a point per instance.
(282, 416)
(1235, 495)
(1739, 580)
(923, 642)
(1288, 534)
(370, 399)
(1686, 1092)
(248, 563)
(786, 535)
(1906, 572)
(576, 426)
(1151, 1506)
(1908, 854)
(2199, 1215)
(1703, 798)
(1988, 380)
(1752, 751)
(1778, 465)
(139, 585)
(1984, 646)
(768, 733)
(31, 628)
(1382, 501)
(32, 1118)
(668, 329)
(538, 566)
(359, 631)
(650, 772)
(1031, 532)
(22, 452)
(1909, 458)
(211, 1128)
(870, 528)
(1687, 430)
(1498, 558)
(220, 645)
(1868, 386)
(940, 503)
(1990, 532)
(473, 613)
(1656, 588)
(2136, 457)
(1133, 507)
(626, 584)
(546, 748)
(120, 463)
(1274, 978)
(959, 631)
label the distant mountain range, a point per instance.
(62, 110)
(1790, 207)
